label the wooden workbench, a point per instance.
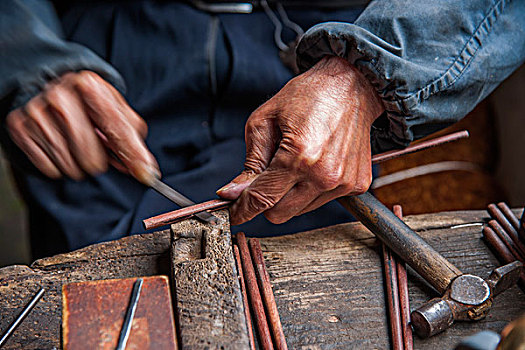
(328, 283)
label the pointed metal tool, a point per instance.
(181, 200)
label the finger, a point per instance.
(294, 202)
(110, 117)
(113, 160)
(323, 198)
(133, 118)
(15, 123)
(70, 115)
(44, 131)
(262, 138)
(264, 192)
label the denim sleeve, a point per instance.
(430, 61)
(33, 51)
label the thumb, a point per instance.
(262, 137)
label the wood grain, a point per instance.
(208, 293)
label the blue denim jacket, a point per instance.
(430, 61)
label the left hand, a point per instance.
(307, 145)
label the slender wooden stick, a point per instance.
(504, 237)
(505, 223)
(269, 300)
(244, 296)
(501, 251)
(184, 213)
(215, 204)
(404, 301)
(509, 215)
(392, 297)
(378, 158)
(265, 338)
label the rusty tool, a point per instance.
(215, 204)
(21, 317)
(266, 289)
(130, 313)
(392, 298)
(465, 296)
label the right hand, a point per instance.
(67, 128)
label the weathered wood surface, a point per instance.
(327, 283)
(329, 286)
(143, 255)
(209, 304)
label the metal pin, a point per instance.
(21, 317)
(130, 313)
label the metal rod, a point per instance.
(184, 213)
(269, 300)
(244, 296)
(22, 315)
(392, 297)
(404, 300)
(215, 204)
(505, 223)
(181, 200)
(417, 253)
(261, 323)
(130, 313)
(422, 145)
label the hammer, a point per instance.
(465, 297)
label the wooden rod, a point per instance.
(521, 231)
(417, 253)
(404, 301)
(392, 297)
(509, 215)
(509, 228)
(215, 204)
(184, 213)
(269, 300)
(501, 251)
(265, 338)
(505, 238)
(244, 296)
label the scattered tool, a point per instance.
(22, 315)
(215, 204)
(397, 296)
(465, 296)
(130, 313)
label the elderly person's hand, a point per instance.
(67, 128)
(307, 145)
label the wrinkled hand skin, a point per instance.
(307, 145)
(68, 128)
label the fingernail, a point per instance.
(226, 188)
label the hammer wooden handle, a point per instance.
(417, 253)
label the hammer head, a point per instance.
(468, 298)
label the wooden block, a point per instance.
(94, 311)
(208, 294)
